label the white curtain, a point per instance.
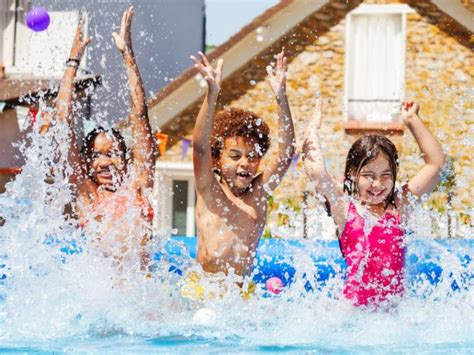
(375, 66)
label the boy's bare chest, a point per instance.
(227, 223)
(248, 210)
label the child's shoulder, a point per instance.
(393, 210)
(401, 196)
(259, 185)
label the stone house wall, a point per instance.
(438, 75)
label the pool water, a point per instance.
(189, 345)
(84, 313)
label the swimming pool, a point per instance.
(436, 315)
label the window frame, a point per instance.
(166, 173)
(7, 35)
(351, 125)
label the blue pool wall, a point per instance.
(280, 257)
(276, 258)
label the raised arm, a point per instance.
(427, 178)
(286, 134)
(63, 104)
(202, 157)
(143, 149)
(315, 168)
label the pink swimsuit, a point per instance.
(375, 261)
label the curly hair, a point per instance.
(236, 122)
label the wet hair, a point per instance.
(363, 151)
(88, 146)
(236, 122)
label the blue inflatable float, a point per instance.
(276, 258)
(280, 258)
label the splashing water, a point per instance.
(58, 294)
(58, 289)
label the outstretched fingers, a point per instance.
(311, 131)
(115, 37)
(220, 65)
(318, 113)
(315, 121)
(277, 74)
(218, 71)
(269, 69)
(80, 29)
(199, 65)
(79, 43)
(204, 58)
(123, 38)
(211, 75)
(124, 21)
(281, 61)
(128, 19)
(273, 69)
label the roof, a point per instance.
(12, 89)
(186, 89)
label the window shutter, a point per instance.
(375, 63)
(7, 31)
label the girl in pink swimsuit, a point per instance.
(368, 209)
(375, 257)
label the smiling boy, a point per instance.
(231, 194)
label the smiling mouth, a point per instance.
(105, 174)
(375, 194)
(244, 175)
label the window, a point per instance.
(23, 51)
(375, 62)
(181, 204)
(174, 191)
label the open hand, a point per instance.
(410, 109)
(315, 122)
(212, 76)
(313, 126)
(277, 75)
(80, 43)
(123, 39)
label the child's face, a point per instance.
(375, 181)
(238, 162)
(107, 166)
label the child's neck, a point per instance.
(106, 191)
(377, 210)
(239, 193)
(236, 192)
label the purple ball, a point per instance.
(38, 19)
